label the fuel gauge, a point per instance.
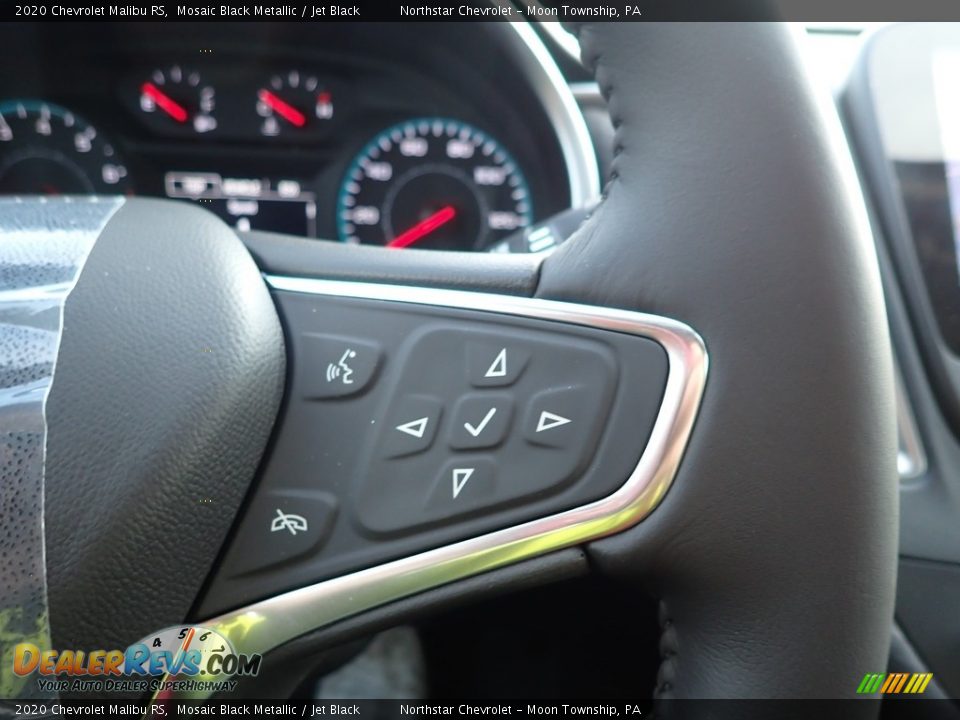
(293, 104)
(178, 99)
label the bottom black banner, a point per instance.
(407, 709)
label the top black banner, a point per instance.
(841, 12)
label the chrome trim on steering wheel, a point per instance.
(267, 624)
(558, 101)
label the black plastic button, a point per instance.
(463, 484)
(280, 526)
(412, 425)
(559, 417)
(494, 364)
(336, 366)
(480, 420)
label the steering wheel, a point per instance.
(693, 394)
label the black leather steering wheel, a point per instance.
(731, 211)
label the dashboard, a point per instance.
(465, 137)
(420, 135)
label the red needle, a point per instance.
(424, 227)
(285, 110)
(166, 103)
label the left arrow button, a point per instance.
(411, 425)
(416, 428)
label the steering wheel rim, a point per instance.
(697, 224)
(744, 613)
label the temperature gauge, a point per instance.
(293, 104)
(179, 100)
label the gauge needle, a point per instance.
(424, 227)
(166, 103)
(285, 110)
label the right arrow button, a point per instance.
(560, 417)
(549, 420)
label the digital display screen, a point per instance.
(902, 104)
(946, 84)
(923, 139)
(279, 205)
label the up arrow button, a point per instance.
(495, 364)
(498, 368)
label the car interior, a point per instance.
(487, 360)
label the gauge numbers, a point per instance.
(46, 149)
(433, 183)
(179, 98)
(291, 102)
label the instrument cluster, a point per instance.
(285, 105)
(358, 151)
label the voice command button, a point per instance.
(335, 366)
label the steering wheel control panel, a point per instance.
(481, 419)
(409, 427)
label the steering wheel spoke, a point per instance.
(461, 432)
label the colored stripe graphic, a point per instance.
(891, 680)
(894, 683)
(903, 679)
(870, 684)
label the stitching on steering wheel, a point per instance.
(593, 60)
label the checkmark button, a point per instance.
(476, 430)
(480, 420)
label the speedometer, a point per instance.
(48, 150)
(433, 183)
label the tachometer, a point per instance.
(48, 150)
(433, 183)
